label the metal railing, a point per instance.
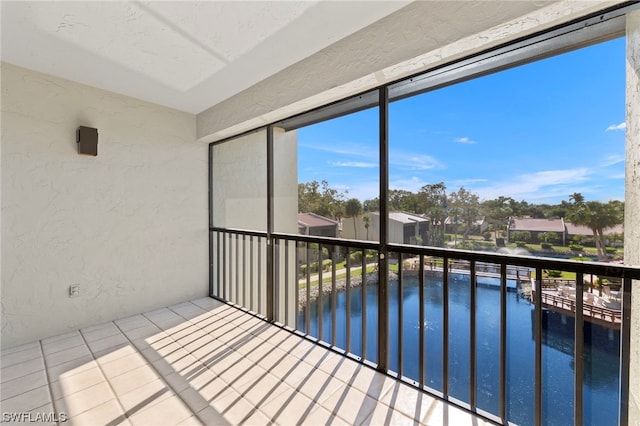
(318, 282)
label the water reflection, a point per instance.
(601, 346)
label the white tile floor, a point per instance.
(203, 362)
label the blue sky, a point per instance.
(538, 132)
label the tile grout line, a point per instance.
(124, 413)
(46, 375)
(150, 365)
(257, 409)
(199, 361)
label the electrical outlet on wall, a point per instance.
(74, 290)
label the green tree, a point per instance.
(400, 199)
(320, 198)
(353, 208)
(498, 212)
(432, 201)
(372, 205)
(597, 216)
(367, 221)
(549, 236)
(467, 206)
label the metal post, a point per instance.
(383, 261)
(537, 326)
(578, 350)
(502, 398)
(400, 315)
(307, 312)
(445, 327)
(473, 402)
(210, 205)
(625, 346)
(348, 318)
(270, 266)
(334, 292)
(421, 350)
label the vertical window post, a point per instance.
(270, 248)
(383, 261)
(210, 186)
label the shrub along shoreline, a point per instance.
(371, 278)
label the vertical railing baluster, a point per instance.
(211, 265)
(502, 392)
(244, 273)
(333, 295)
(276, 280)
(296, 280)
(578, 350)
(236, 298)
(363, 287)
(251, 284)
(537, 413)
(307, 312)
(225, 295)
(286, 284)
(472, 337)
(320, 295)
(219, 263)
(348, 319)
(445, 327)
(421, 339)
(400, 315)
(260, 272)
(625, 349)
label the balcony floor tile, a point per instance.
(204, 362)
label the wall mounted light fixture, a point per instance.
(87, 139)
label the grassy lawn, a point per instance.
(355, 270)
(565, 275)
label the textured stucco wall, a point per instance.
(129, 226)
(632, 202)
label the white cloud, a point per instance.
(363, 190)
(412, 184)
(538, 185)
(465, 140)
(612, 159)
(355, 164)
(344, 149)
(414, 161)
(621, 126)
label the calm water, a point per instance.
(600, 349)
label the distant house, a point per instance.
(404, 228)
(536, 227)
(479, 225)
(573, 230)
(565, 230)
(319, 226)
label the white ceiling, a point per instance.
(188, 55)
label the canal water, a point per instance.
(601, 347)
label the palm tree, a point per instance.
(367, 220)
(596, 216)
(353, 208)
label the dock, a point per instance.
(595, 309)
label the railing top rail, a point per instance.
(595, 268)
(367, 245)
(238, 231)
